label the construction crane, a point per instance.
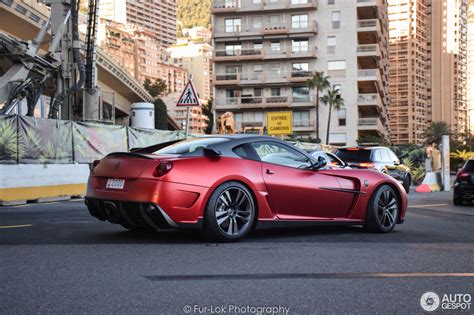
(61, 71)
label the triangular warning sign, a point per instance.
(189, 96)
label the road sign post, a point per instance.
(188, 98)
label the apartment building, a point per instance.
(197, 120)
(158, 17)
(140, 54)
(449, 63)
(409, 66)
(470, 64)
(196, 58)
(264, 53)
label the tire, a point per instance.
(382, 211)
(230, 213)
(458, 201)
(407, 184)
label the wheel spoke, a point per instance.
(220, 213)
(246, 219)
(390, 218)
(239, 198)
(223, 199)
(230, 230)
(222, 220)
(392, 202)
(236, 226)
(228, 197)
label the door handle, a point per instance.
(269, 172)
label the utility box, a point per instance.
(143, 115)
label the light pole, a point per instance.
(469, 126)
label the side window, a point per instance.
(386, 156)
(393, 157)
(276, 153)
(377, 156)
(245, 152)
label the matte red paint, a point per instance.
(280, 193)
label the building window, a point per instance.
(257, 46)
(341, 117)
(331, 42)
(232, 49)
(257, 68)
(275, 92)
(337, 87)
(257, 22)
(301, 119)
(331, 1)
(257, 92)
(336, 19)
(299, 21)
(299, 1)
(335, 65)
(299, 45)
(232, 25)
(300, 94)
(275, 46)
(300, 69)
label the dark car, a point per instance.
(464, 184)
(332, 159)
(377, 158)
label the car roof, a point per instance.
(362, 148)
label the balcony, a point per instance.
(372, 99)
(290, 52)
(303, 125)
(237, 55)
(228, 103)
(369, 50)
(260, 78)
(233, 6)
(371, 25)
(226, 79)
(369, 3)
(368, 75)
(276, 28)
(372, 123)
(300, 76)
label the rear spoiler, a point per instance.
(128, 154)
(155, 147)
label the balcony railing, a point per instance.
(368, 121)
(258, 77)
(275, 28)
(259, 101)
(303, 123)
(222, 6)
(370, 25)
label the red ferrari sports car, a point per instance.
(227, 184)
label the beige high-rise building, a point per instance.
(449, 63)
(265, 51)
(470, 64)
(196, 58)
(157, 17)
(409, 66)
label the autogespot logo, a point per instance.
(430, 301)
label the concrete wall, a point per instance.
(27, 182)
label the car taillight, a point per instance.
(461, 175)
(94, 164)
(162, 168)
(366, 165)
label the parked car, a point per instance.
(226, 185)
(377, 158)
(464, 184)
(330, 158)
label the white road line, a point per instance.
(432, 205)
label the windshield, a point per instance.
(469, 167)
(190, 145)
(356, 156)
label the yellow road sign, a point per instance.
(279, 123)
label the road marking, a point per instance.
(15, 226)
(432, 205)
(277, 276)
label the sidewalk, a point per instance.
(437, 201)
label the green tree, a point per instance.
(320, 82)
(435, 131)
(335, 101)
(371, 140)
(207, 110)
(156, 89)
(194, 13)
(161, 121)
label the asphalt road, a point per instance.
(55, 258)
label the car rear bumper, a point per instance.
(464, 191)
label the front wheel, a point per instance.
(458, 201)
(382, 211)
(230, 212)
(407, 183)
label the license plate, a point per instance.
(113, 183)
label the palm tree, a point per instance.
(435, 131)
(335, 101)
(462, 155)
(320, 82)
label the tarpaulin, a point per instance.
(44, 141)
(8, 139)
(139, 138)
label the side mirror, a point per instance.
(210, 152)
(321, 162)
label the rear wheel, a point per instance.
(230, 212)
(382, 211)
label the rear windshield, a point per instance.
(469, 167)
(356, 156)
(190, 145)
